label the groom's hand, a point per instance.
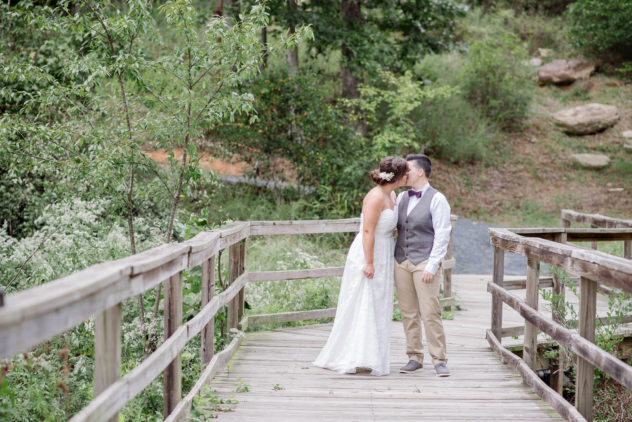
(426, 277)
(368, 270)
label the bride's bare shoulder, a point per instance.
(373, 198)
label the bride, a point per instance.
(361, 331)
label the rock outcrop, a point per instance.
(562, 72)
(591, 161)
(586, 119)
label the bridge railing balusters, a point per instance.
(107, 350)
(530, 347)
(172, 316)
(207, 293)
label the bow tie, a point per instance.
(412, 192)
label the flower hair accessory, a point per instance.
(386, 176)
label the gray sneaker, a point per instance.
(410, 367)
(442, 370)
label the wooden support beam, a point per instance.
(107, 350)
(233, 273)
(520, 284)
(585, 370)
(241, 299)
(447, 269)
(172, 384)
(497, 303)
(530, 350)
(557, 314)
(208, 290)
(258, 276)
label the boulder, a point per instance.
(591, 161)
(627, 135)
(535, 61)
(586, 119)
(561, 72)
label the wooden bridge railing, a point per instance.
(598, 220)
(594, 268)
(35, 315)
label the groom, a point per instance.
(423, 227)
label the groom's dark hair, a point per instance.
(421, 161)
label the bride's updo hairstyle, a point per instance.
(391, 170)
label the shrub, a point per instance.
(496, 79)
(602, 25)
(298, 122)
(451, 127)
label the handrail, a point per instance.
(38, 314)
(594, 268)
(598, 266)
(597, 220)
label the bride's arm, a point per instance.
(371, 210)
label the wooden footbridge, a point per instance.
(488, 381)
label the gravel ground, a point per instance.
(474, 253)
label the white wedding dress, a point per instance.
(362, 327)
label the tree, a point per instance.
(202, 87)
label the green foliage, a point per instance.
(71, 235)
(393, 39)
(534, 29)
(241, 386)
(603, 26)
(451, 127)
(388, 109)
(548, 7)
(208, 403)
(496, 79)
(295, 121)
(289, 253)
(606, 335)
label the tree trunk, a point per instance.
(264, 49)
(351, 18)
(292, 55)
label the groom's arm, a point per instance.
(440, 210)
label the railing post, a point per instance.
(208, 290)
(242, 267)
(172, 385)
(557, 314)
(627, 249)
(233, 273)
(447, 273)
(585, 371)
(107, 350)
(530, 348)
(497, 303)
(594, 245)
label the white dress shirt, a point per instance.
(440, 211)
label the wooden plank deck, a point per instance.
(283, 385)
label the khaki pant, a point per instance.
(420, 301)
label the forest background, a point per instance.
(310, 94)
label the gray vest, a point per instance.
(415, 234)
